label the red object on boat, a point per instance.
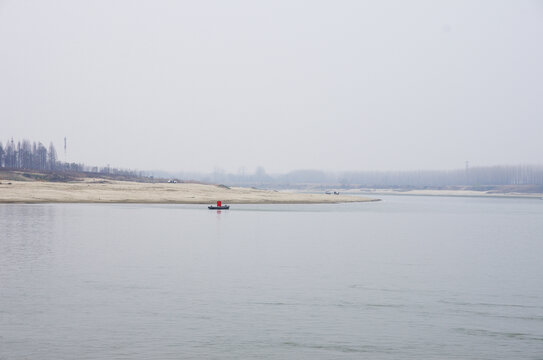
(219, 203)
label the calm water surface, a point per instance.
(406, 278)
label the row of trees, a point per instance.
(27, 155)
(483, 175)
(475, 176)
(35, 156)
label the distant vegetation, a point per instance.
(26, 155)
(477, 178)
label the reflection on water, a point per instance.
(26, 233)
(408, 277)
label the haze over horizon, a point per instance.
(194, 86)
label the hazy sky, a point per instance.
(335, 85)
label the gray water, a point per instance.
(406, 278)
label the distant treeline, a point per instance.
(474, 176)
(31, 155)
(35, 156)
(483, 175)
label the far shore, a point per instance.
(453, 193)
(107, 191)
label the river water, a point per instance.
(405, 278)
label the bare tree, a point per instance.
(10, 159)
(2, 154)
(41, 155)
(51, 157)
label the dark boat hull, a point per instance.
(224, 207)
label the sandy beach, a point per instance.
(100, 191)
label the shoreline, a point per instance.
(449, 193)
(119, 192)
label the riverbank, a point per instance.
(457, 193)
(106, 191)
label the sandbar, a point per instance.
(109, 191)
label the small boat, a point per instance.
(223, 207)
(219, 206)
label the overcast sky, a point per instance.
(333, 85)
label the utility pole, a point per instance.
(65, 153)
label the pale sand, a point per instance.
(461, 193)
(97, 191)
